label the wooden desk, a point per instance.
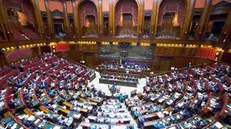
(131, 105)
(143, 111)
(42, 108)
(94, 100)
(84, 100)
(86, 125)
(67, 104)
(148, 124)
(70, 106)
(28, 112)
(118, 82)
(83, 110)
(123, 71)
(45, 92)
(64, 110)
(148, 116)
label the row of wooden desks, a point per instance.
(118, 82)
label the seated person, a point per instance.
(186, 114)
(113, 88)
(100, 109)
(219, 74)
(52, 93)
(11, 104)
(26, 123)
(229, 74)
(200, 124)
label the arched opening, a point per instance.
(170, 19)
(216, 22)
(22, 19)
(193, 27)
(59, 27)
(147, 19)
(197, 19)
(126, 18)
(57, 15)
(88, 19)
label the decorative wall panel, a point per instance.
(177, 6)
(126, 6)
(28, 10)
(87, 8)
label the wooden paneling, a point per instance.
(189, 51)
(174, 51)
(165, 64)
(87, 47)
(72, 47)
(226, 58)
(3, 61)
(35, 51)
(180, 62)
(90, 58)
(159, 63)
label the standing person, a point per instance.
(113, 88)
(21, 68)
(121, 97)
(12, 66)
(189, 66)
(126, 63)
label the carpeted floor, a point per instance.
(123, 89)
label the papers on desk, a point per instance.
(15, 126)
(68, 121)
(180, 104)
(23, 116)
(2, 105)
(169, 102)
(110, 120)
(83, 124)
(57, 127)
(39, 113)
(229, 106)
(76, 116)
(218, 125)
(163, 98)
(37, 121)
(111, 107)
(108, 94)
(92, 118)
(31, 118)
(113, 115)
(160, 115)
(177, 95)
(54, 106)
(103, 126)
(42, 124)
